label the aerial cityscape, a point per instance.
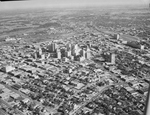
(75, 61)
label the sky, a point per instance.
(65, 3)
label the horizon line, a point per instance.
(78, 6)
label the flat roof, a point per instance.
(129, 37)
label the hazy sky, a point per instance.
(65, 3)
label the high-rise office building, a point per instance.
(63, 52)
(116, 36)
(58, 54)
(81, 58)
(48, 55)
(109, 57)
(76, 47)
(88, 44)
(88, 53)
(68, 53)
(142, 47)
(65, 59)
(43, 56)
(40, 51)
(69, 47)
(35, 55)
(83, 52)
(52, 47)
(112, 56)
(77, 50)
(72, 58)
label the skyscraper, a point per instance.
(58, 54)
(88, 53)
(112, 56)
(77, 50)
(88, 44)
(116, 36)
(68, 53)
(35, 55)
(82, 58)
(72, 58)
(69, 47)
(63, 52)
(52, 47)
(40, 51)
(43, 56)
(83, 53)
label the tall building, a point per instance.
(112, 56)
(58, 54)
(68, 53)
(52, 47)
(72, 58)
(35, 55)
(83, 53)
(77, 50)
(48, 55)
(63, 52)
(69, 47)
(43, 56)
(72, 48)
(88, 53)
(81, 58)
(116, 36)
(109, 57)
(77, 58)
(65, 59)
(142, 47)
(40, 51)
(88, 44)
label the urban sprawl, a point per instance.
(92, 73)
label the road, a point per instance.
(2, 112)
(84, 103)
(25, 96)
(100, 91)
(16, 110)
(93, 98)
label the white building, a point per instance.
(58, 54)
(88, 53)
(113, 58)
(8, 69)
